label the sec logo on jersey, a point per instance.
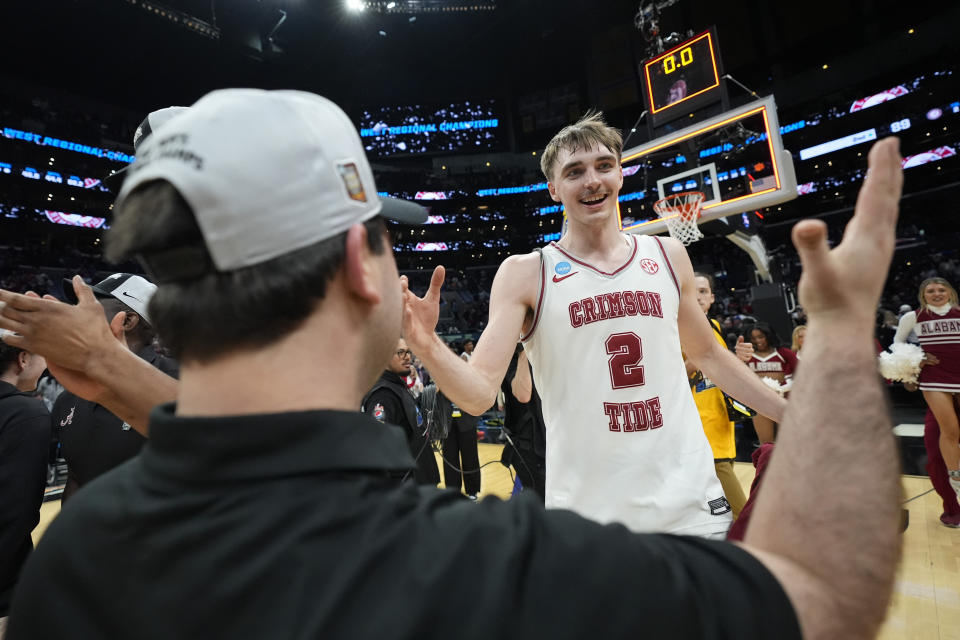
(649, 265)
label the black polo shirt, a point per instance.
(92, 439)
(295, 526)
(24, 451)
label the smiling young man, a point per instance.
(602, 315)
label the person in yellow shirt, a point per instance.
(713, 408)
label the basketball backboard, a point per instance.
(736, 159)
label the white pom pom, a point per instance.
(774, 385)
(901, 363)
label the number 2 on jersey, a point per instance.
(626, 352)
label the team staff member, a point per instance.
(24, 450)
(93, 440)
(390, 402)
(281, 466)
(712, 406)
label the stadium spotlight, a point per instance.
(355, 5)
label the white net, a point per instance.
(680, 212)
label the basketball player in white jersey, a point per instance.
(602, 315)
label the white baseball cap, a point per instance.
(153, 121)
(266, 173)
(133, 291)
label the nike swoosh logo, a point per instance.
(134, 297)
(556, 279)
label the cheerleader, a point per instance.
(769, 360)
(937, 327)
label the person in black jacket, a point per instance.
(24, 449)
(390, 402)
(523, 425)
(93, 440)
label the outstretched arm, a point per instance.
(84, 354)
(473, 386)
(905, 326)
(835, 469)
(717, 363)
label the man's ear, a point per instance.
(130, 321)
(22, 360)
(553, 191)
(360, 269)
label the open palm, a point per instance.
(850, 278)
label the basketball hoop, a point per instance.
(680, 212)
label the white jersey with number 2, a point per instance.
(624, 439)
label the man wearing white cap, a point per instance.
(93, 440)
(153, 121)
(264, 505)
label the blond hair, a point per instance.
(589, 131)
(944, 282)
(795, 338)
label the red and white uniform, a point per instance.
(782, 362)
(624, 439)
(939, 334)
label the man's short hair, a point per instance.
(589, 131)
(710, 281)
(217, 312)
(8, 355)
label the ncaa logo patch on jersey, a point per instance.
(719, 506)
(378, 412)
(649, 265)
(562, 268)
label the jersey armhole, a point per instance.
(666, 259)
(541, 290)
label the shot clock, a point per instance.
(683, 78)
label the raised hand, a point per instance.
(743, 349)
(844, 284)
(69, 336)
(420, 315)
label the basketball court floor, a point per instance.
(926, 599)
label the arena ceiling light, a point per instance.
(185, 20)
(355, 5)
(429, 6)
